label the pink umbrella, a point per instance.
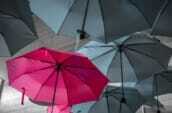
(56, 77)
(59, 109)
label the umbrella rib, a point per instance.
(76, 74)
(44, 83)
(78, 67)
(55, 88)
(43, 61)
(26, 73)
(101, 46)
(141, 13)
(67, 90)
(137, 44)
(134, 50)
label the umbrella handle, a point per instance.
(23, 94)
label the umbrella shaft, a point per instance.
(122, 76)
(85, 15)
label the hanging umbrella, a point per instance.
(61, 74)
(156, 85)
(162, 25)
(14, 35)
(107, 20)
(111, 101)
(19, 9)
(135, 58)
(138, 55)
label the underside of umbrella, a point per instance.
(19, 9)
(69, 78)
(14, 35)
(107, 20)
(111, 102)
(163, 24)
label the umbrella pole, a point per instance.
(122, 80)
(55, 87)
(82, 33)
(107, 102)
(23, 94)
(122, 76)
(156, 93)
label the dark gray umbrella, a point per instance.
(159, 84)
(108, 19)
(19, 9)
(14, 35)
(163, 23)
(113, 101)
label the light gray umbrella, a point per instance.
(14, 35)
(113, 101)
(134, 57)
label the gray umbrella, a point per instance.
(135, 58)
(107, 20)
(159, 84)
(14, 35)
(19, 9)
(163, 24)
(113, 101)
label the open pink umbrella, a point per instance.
(56, 77)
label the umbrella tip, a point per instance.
(123, 100)
(158, 111)
(82, 34)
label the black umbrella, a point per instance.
(108, 19)
(19, 9)
(163, 24)
(113, 101)
(14, 35)
(159, 84)
(135, 58)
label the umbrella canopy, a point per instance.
(156, 85)
(59, 109)
(113, 102)
(93, 51)
(61, 74)
(162, 25)
(14, 35)
(105, 20)
(52, 12)
(19, 9)
(134, 57)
